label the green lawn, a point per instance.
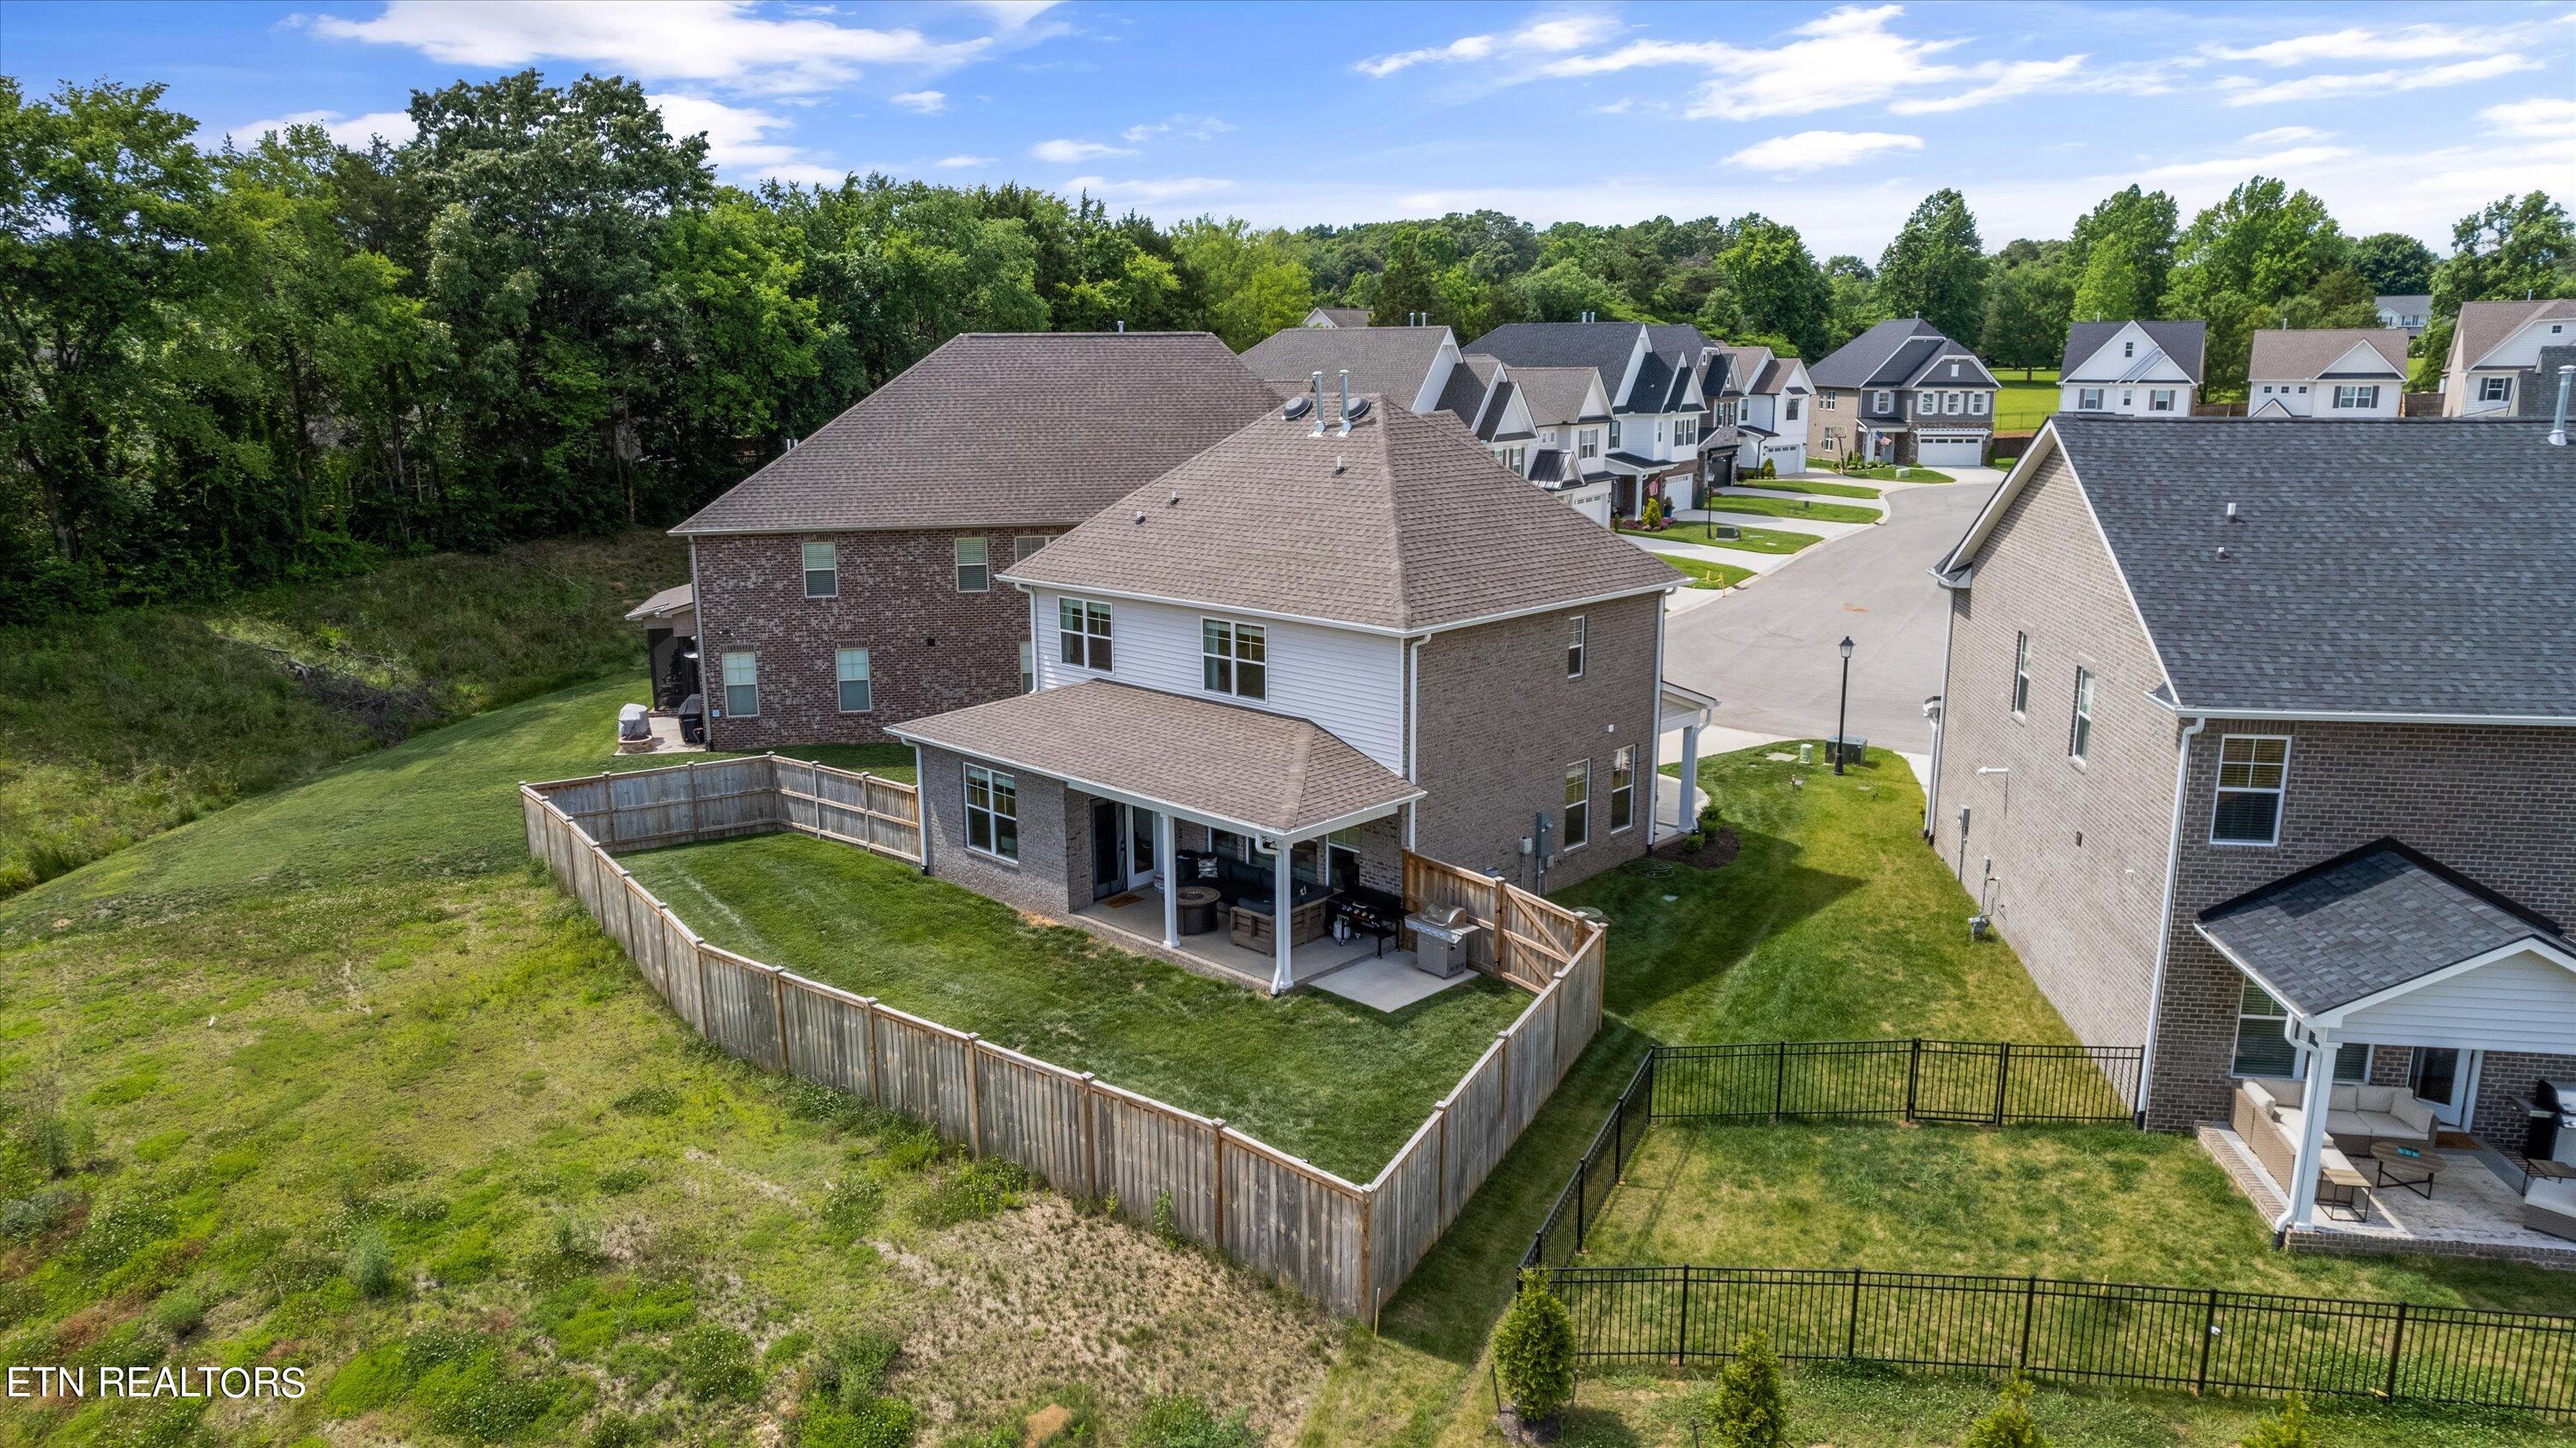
(1807, 485)
(2023, 405)
(1792, 508)
(1330, 1080)
(1889, 473)
(1747, 539)
(1705, 574)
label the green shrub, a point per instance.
(1181, 1421)
(1167, 1218)
(1534, 1350)
(852, 1369)
(38, 1212)
(1749, 1410)
(179, 1313)
(370, 1264)
(1770, 468)
(909, 1146)
(2008, 1423)
(875, 1423)
(713, 1364)
(1695, 842)
(983, 1188)
(59, 1144)
(2288, 1428)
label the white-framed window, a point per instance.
(1083, 630)
(1954, 402)
(992, 812)
(2495, 389)
(1028, 666)
(1574, 650)
(1789, 408)
(1882, 401)
(1587, 443)
(1614, 433)
(2263, 1050)
(1977, 404)
(2129, 348)
(2160, 400)
(1234, 658)
(2088, 399)
(2253, 772)
(742, 686)
(2303, 389)
(2021, 673)
(850, 671)
(1578, 805)
(1028, 543)
(2128, 398)
(2356, 394)
(1686, 432)
(1623, 787)
(822, 571)
(2079, 730)
(974, 566)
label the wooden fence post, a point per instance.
(1440, 1143)
(778, 1004)
(974, 1095)
(694, 826)
(1216, 1181)
(1368, 1268)
(608, 806)
(1091, 1136)
(698, 953)
(1503, 1066)
(868, 1013)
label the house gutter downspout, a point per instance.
(1412, 725)
(1939, 708)
(2164, 921)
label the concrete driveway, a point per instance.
(1767, 651)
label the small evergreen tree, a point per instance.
(1770, 468)
(2289, 1428)
(1534, 1351)
(1750, 1410)
(2008, 1424)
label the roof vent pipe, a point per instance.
(1122, 325)
(2558, 427)
(1346, 402)
(1317, 382)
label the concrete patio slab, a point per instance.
(1387, 985)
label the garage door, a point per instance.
(1959, 451)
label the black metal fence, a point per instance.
(1986, 1083)
(2197, 1338)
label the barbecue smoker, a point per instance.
(1443, 936)
(2552, 1136)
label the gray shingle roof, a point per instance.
(678, 598)
(1490, 426)
(1555, 395)
(2308, 352)
(1405, 524)
(1464, 393)
(2184, 342)
(1878, 355)
(1387, 361)
(1346, 316)
(1274, 772)
(2339, 592)
(1001, 430)
(2366, 921)
(1600, 346)
(2484, 325)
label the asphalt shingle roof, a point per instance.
(1002, 429)
(1869, 359)
(2337, 592)
(1346, 316)
(2484, 325)
(2184, 342)
(1389, 361)
(1601, 346)
(1555, 395)
(2308, 352)
(1407, 523)
(1464, 393)
(2366, 921)
(1275, 772)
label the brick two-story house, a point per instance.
(1903, 393)
(2242, 786)
(851, 582)
(1301, 652)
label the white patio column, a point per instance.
(1688, 820)
(2315, 1099)
(1171, 879)
(1280, 976)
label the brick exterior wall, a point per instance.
(2078, 855)
(2083, 916)
(2494, 803)
(2505, 1081)
(1501, 721)
(931, 648)
(1052, 876)
(1837, 421)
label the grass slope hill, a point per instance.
(336, 1078)
(117, 727)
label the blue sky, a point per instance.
(1835, 119)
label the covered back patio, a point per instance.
(2428, 1012)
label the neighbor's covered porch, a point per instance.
(2424, 1013)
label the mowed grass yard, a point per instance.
(1834, 922)
(1748, 539)
(1791, 508)
(336, 1078)
(1310, 1073)
(2025, 402)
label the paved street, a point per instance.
(1767, 651)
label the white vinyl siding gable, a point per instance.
(1350, 684)
(2524, 1002)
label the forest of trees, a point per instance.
(541, 315)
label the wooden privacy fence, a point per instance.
(1527, 938)
(1346, 1245)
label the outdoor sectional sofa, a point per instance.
(2270, 1115)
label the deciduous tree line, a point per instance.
(542, 315)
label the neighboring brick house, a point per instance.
(851, 583)
(1903, 393)
(1295, 656)
(2238, 789)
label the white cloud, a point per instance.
(1165, 188)
(1014, 14)
(2242, 92)
(1552, 36)
(1812, 149)
(921, 102)
(956, 163)
(2408, 42)
(2546, 117)
(2019, 77)
(1069, 153)
(346, 130)
(1188, 127)
(1619, 107)
(2284, 135)
(2287, 161)
(739, 140)
(708, 41)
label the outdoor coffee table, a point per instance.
(2415, 1167)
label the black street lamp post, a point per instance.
(1842, 710)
